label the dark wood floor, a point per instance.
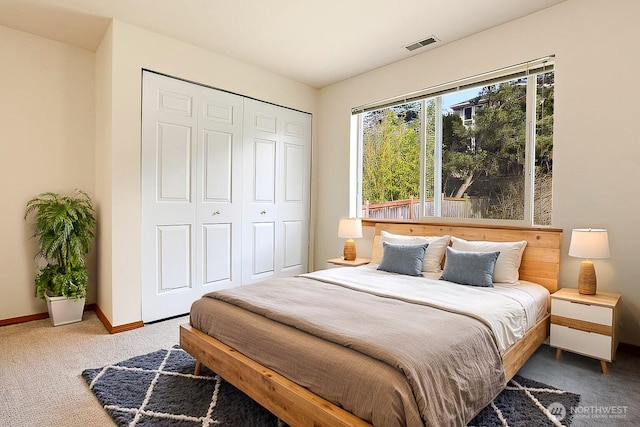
(606, 400)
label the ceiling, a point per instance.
(317, 43)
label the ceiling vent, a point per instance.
(421, 43)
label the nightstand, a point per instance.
(585, 324)
(355, 263)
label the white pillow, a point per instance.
(508, 262)
(432, 261)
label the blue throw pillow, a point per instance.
(470, 268)
(403, 259)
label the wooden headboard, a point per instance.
(540, 260)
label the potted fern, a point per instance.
(64, 229)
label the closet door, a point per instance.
(295, 191)
(225, 193)
(169, 133)
(191, 193)
(219, 189)
(277, 153)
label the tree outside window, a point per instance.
(482, 136)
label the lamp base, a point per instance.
(587, 278)
(349, 251)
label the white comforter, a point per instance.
(508, 310)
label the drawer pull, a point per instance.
(578, 329)
(581, 303)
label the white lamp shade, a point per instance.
(589, 243)
(350, 228)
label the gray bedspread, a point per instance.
(449, 363)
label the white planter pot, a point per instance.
(63, 310)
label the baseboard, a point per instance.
(37, 316)
(88, 307)
(23, 319)
(116, 329)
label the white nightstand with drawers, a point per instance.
(585, 324)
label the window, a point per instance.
(468, 111)
(481, 151)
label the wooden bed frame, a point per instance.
(297, 406)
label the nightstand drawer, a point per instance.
(586, 343)
(579, 311)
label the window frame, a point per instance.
(530, 69)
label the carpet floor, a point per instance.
(41, 365)
(159, 388)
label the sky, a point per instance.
(457, 97)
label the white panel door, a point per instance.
(295, 191)
(219, 189)
(191, 193)
(260, 212)
(277, 154)
(169, 142)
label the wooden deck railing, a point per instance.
(452, 207)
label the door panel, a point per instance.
(218, 150)
(264, 121)
(217, 253)
(174, 162)
(297, 129)
(263, 249)
(219, 112)
(294, 173)
(293, 239)
(175, 103)
(174, 255)
(264, 169)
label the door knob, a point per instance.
(216, 213)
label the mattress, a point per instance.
(534, 298)
(510, 310)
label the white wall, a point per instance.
(596, 143)
(124, 52)
(46, 144)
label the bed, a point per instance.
(270, 360)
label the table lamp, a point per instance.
(588, 243)
(350, 228)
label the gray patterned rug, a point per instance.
(525, 403)
(159, 389)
